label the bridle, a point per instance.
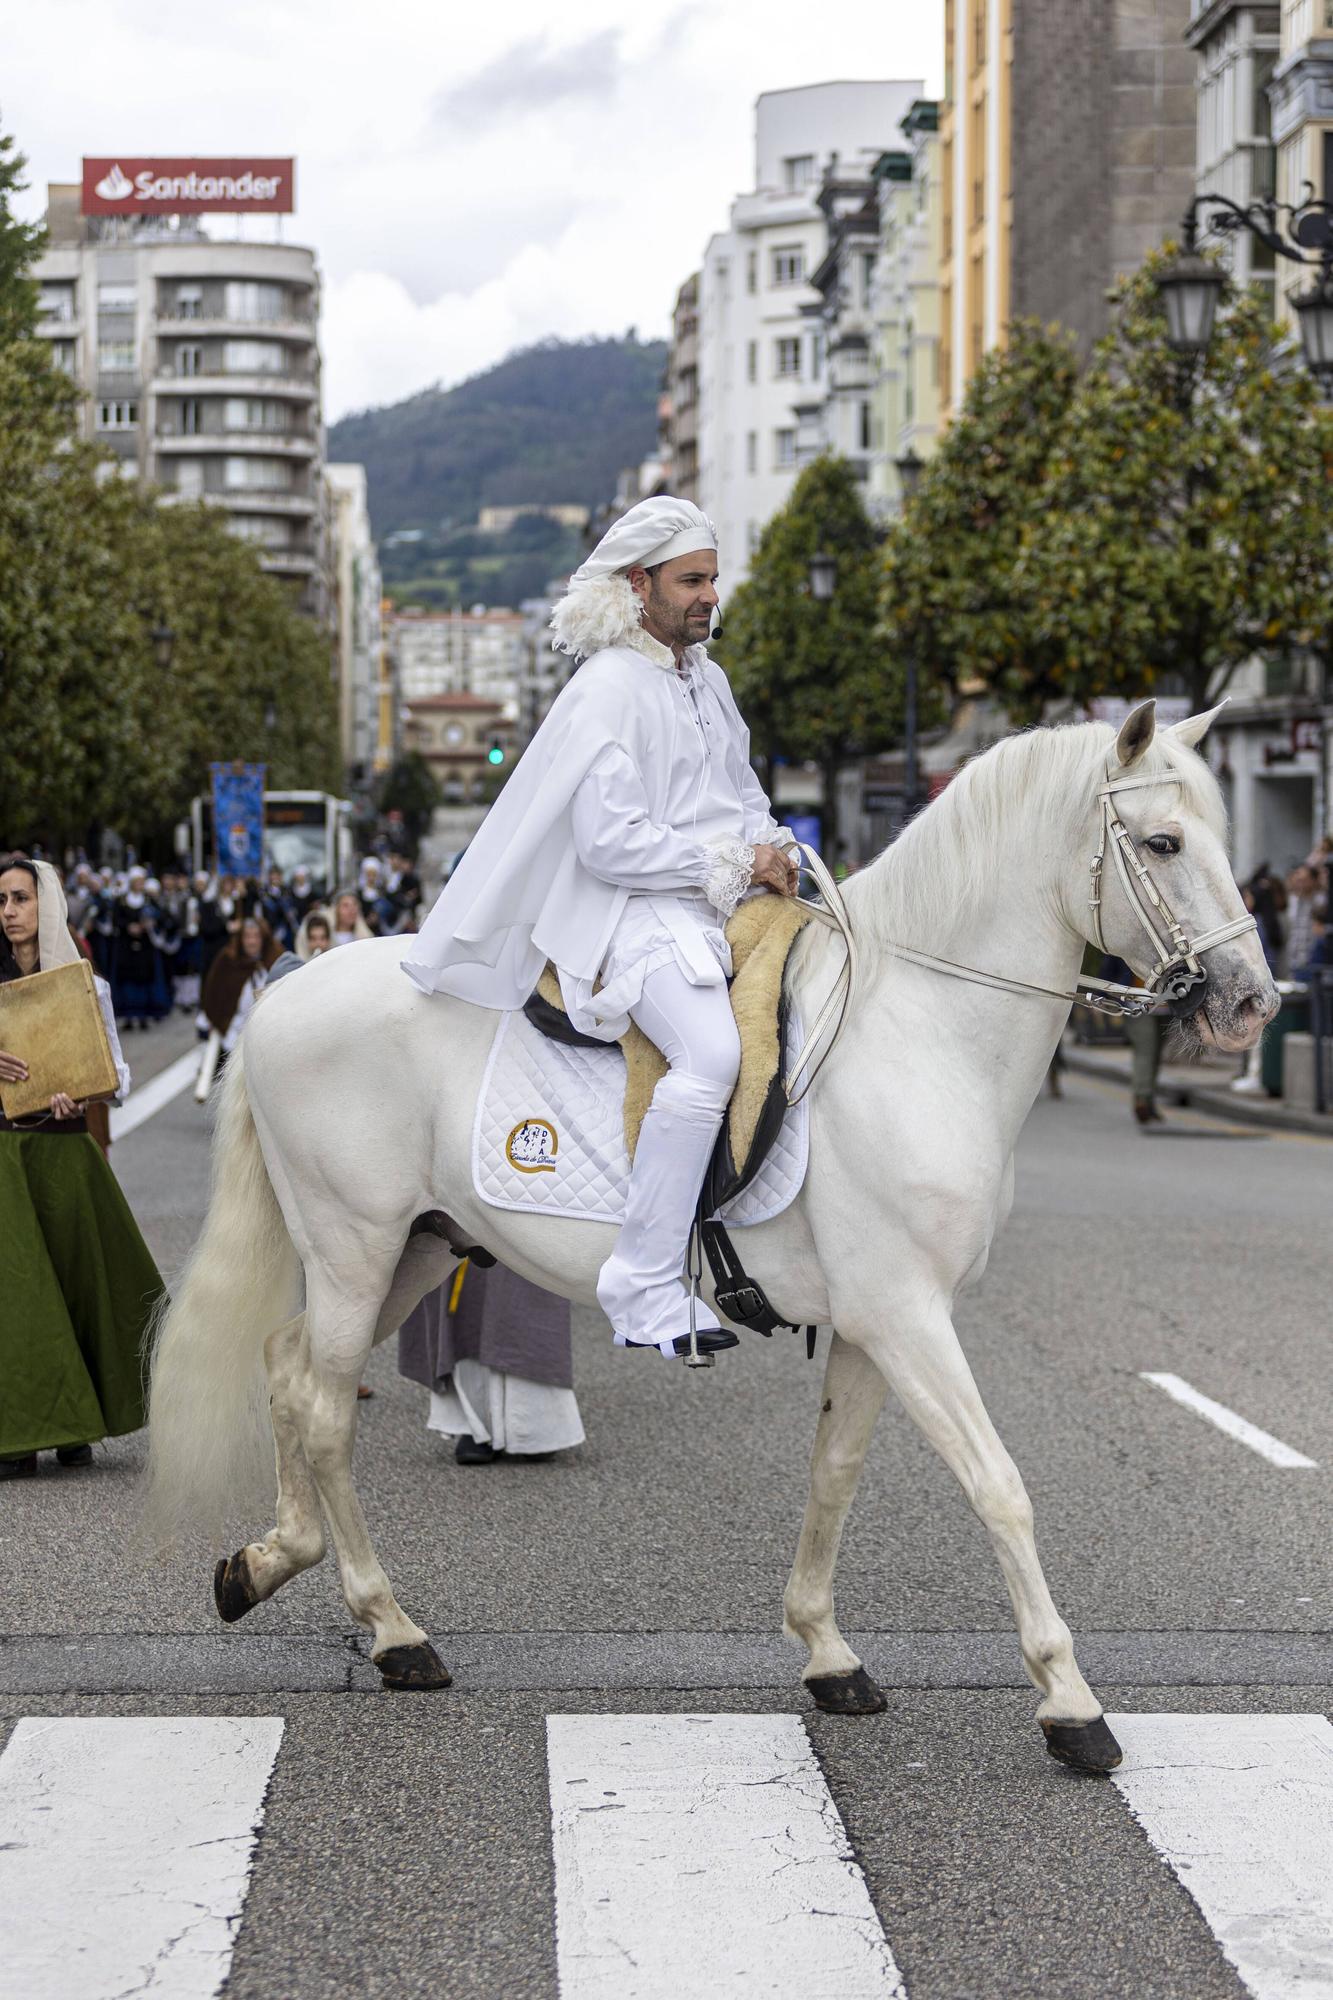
(1177, 981)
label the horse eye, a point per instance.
(1164, 843)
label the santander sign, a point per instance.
(134, 186)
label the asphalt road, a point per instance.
(406, 1844)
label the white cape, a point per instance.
(521, 895)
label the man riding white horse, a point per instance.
(628, 833)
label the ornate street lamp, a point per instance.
(909, 469)
(1301, 232)
(823, 576)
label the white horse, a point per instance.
(348, 1115)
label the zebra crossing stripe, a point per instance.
(125, 1851)
(1241, 1808)
(703, 1854)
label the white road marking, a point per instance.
(148, 1098)
(1226, 1420)
(1241, 1808)
(125, 1850)
(702, 1855)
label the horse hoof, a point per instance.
(417, 1667)
(1084, 1746)
(847, 1694)
(233, 1592)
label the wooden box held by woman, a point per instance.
(76, 1277)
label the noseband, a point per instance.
(1177, 977)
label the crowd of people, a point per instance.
(157, 939)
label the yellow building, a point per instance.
(975, 187)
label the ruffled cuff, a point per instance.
(730, 872)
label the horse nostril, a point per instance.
(1255, 1009)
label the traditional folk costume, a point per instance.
(495, 1353)
(78, 1283)
(136, 968)
(617, 850)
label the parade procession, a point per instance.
(666, 1003)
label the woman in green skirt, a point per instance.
(78, 1284)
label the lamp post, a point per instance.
(909, 469)
(823, 576)
(1301, 232)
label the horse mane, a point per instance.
(932, 880)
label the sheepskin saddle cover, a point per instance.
(761, 934)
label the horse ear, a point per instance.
(1194, 727)
(1136, 732)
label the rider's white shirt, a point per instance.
(686, 871)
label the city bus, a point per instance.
(301, 829)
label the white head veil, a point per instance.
(600, 607)
(55, 946)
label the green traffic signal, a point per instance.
(496, 753)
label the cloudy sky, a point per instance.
(472, 178)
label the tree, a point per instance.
(814, 679)
(20, 243)
(410, 788)
(1152, 519)
(1188, 525)
(952, 590)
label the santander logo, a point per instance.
(115, 186)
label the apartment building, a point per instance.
(200, 363)
(905, 306)
(355, 578)
(1067, 153)
(682, 385)
(761, 343)
(1236, 44)
(479, 652)
(1302, 100)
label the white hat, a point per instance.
(656, 531)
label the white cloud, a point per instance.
(472, 180)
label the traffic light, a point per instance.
(496, 753)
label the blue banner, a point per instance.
(238, 817)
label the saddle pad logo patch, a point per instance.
(532, 1146)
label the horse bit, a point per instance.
(1177, 979)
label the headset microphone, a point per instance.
(716, 632)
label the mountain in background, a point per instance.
(557, 422)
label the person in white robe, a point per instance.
(627, 834)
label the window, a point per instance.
(798, 171)
(114, 298)
(270, 473)
(188, 302)
(56, 301)
(752, 360)
(117, 416)
(867, 275)
(787, 355)
(752, 451)
(255, 301)
(190, 417)
(269, 531)
(62, 356)
(253, 357)
(190, 478)
(254, 413)
(788, 265)
(115, 357)
(866, 429)
(752, 271)
(784, 448)
(189, 359)
(816, 356)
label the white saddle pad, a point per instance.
(549, 1133)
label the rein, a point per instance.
(1176, 972)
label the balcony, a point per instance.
(295, 387)
(247, 500)
(287, 562)
(265, 444)
(170, 322)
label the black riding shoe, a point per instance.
(710, 1342)
(469, 1452)
(74, 1454)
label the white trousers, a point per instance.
(641, 1287)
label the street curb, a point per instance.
(1236, 1110)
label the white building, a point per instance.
(906, 306)
(355, 575)
(1237, 43)
(760, 351)
(479, 652)
(1302, 97)
(199, 359)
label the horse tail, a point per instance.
(210, 1446)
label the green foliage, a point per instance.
(20, 243)
(814, 679)
(1154, 518)
(92, 730)
(464, 567)
(556, 422)
(410, 788)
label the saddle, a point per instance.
(761, 934)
